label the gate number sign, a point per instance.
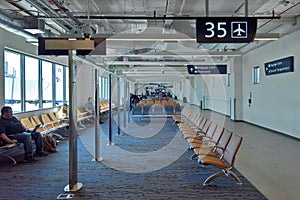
(225, 29)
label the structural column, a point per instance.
(119, 104)
(97, 118)
(236, 106)
(125, 103)
(73, 185)
(128, 100)
(110, 111)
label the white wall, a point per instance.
(215, 93)
(85, 83)
(198, 90)
(234, 91)
(210, 89)
(192, 96)
(177, 91)
(186, 90)
(276, 100)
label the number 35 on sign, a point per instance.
(225, 29)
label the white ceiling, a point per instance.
(148, 49)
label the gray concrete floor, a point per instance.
(268, 159)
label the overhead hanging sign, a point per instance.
(207, 69)
(60, 46)
(225, 29)
(283, 65)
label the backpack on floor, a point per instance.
(49, 143)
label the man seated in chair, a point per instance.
(12, 131)
(89, 107)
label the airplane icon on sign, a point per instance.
(239, 30)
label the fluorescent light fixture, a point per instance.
(154, 40)
(175, 37)
(183, 54)
(34, 31)
(267, 36)
(151, 72)
(156, 63)
(151, 37)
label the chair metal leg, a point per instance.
(212, 177)
(238, 180)
(59, 136)
(9, 157)
(193, 156)
(225, 172)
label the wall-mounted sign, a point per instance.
(225, 29)
(207, 69)
(280, 66)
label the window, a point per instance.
(103, 88)
(228, 80)
(47, 84)
(59, 84)
(12, 78)
(66, 84)
(106, 88)
(256, 75)
(31, 83)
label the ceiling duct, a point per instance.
(33, 25)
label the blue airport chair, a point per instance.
(169, 110)
(158, 110)
(147, 110)
(178, 109)
(136, 110)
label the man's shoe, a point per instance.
(30, 160)
(101, 122)
(40, 154)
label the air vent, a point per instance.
(33, 24)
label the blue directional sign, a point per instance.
(225, 29)
(207, 69)
(283, 65)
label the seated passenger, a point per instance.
(89, 107)
(12, 131)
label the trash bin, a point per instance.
(184, 100)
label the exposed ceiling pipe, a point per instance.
(206, 11)
(279, 15)
(68, 13)
(14, 3)
(246, 8)
(154, 17)
(181, 7)
(29, 13)
(166, 7)
(56, 14)
(105, 23)
(7, 23)
(35, 5)
(238, 9)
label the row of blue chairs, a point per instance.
(156, 110)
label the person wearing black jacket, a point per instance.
(13, 131)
